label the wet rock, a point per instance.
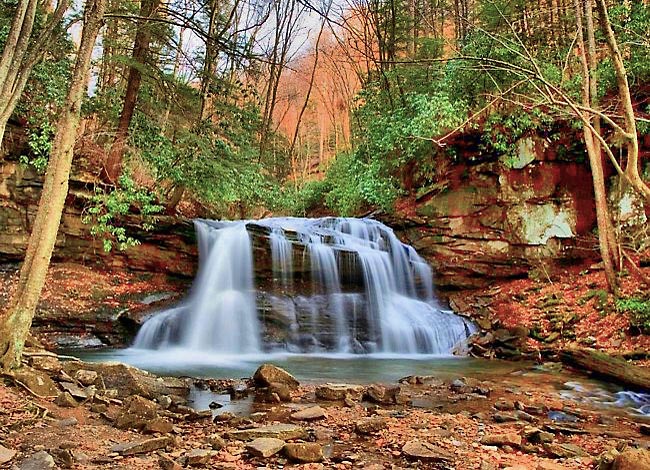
(419, 450)
(306, 452)
(215, 405)
(506, 439)
(562, 417)
(238, 390)
(142, 446)
(460, 386)
(86, 377)
(65, 400)
(46, 363)
(382, 394)
(633, 459)
(644, 429)
(265, 447)
(6, 454)
(309, 414)
(421, 380)
(267, 374)
(370, 425)
(158, 425)
(38, 461)
(198, 457)
(37, 381)
(338, 392)
(277, 431)
(564, 451)
(216, 441)
(282, 391)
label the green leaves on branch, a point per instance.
(107, 210)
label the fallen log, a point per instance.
(607, 367)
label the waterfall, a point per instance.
(359, 289)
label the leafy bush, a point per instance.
(639, 310)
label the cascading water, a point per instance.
(355, 289)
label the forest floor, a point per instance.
(517, 421)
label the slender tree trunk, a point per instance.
(16, 321)
(605, 228)
(113, 166)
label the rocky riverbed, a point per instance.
(71, 414)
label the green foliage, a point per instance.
(639, 310)
(107, 209)
(39, 142)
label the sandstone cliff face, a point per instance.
(170, 248)
(493, 222)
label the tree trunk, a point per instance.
(606, 234)
(113, 166)
(16, 321)
(608, 367)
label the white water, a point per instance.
(395, 311)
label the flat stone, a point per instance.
(38, 461)
(75, 390)
(304, 452)
(198, 457)
(168, 463)
(142, 446)
(564, 451)
(265, 447)
(338, 392)
(370, 425)
(420, 450)
(6, 454)
(309, 414)
(277, 431)
(67, 422)
(86, 377)
(37, 381)
(505, 417)
(506, 439)
(266, 374)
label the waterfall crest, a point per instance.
(346, 285)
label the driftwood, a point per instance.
(607, 367)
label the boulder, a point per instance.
(309, 414)
(274, 393)
(136, 412)
(142, 446)
(277, 431)
(75, 390)
(37, 381)
(382, 394)
(632, 459)
(370, 425)
(338, 392)
(38, 461)
(158, 425)
(129, 380)
(265, 447)
(506, 439)
(304, 452)
(419, 450)
(268, 374)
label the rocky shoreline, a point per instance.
(61, 413)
